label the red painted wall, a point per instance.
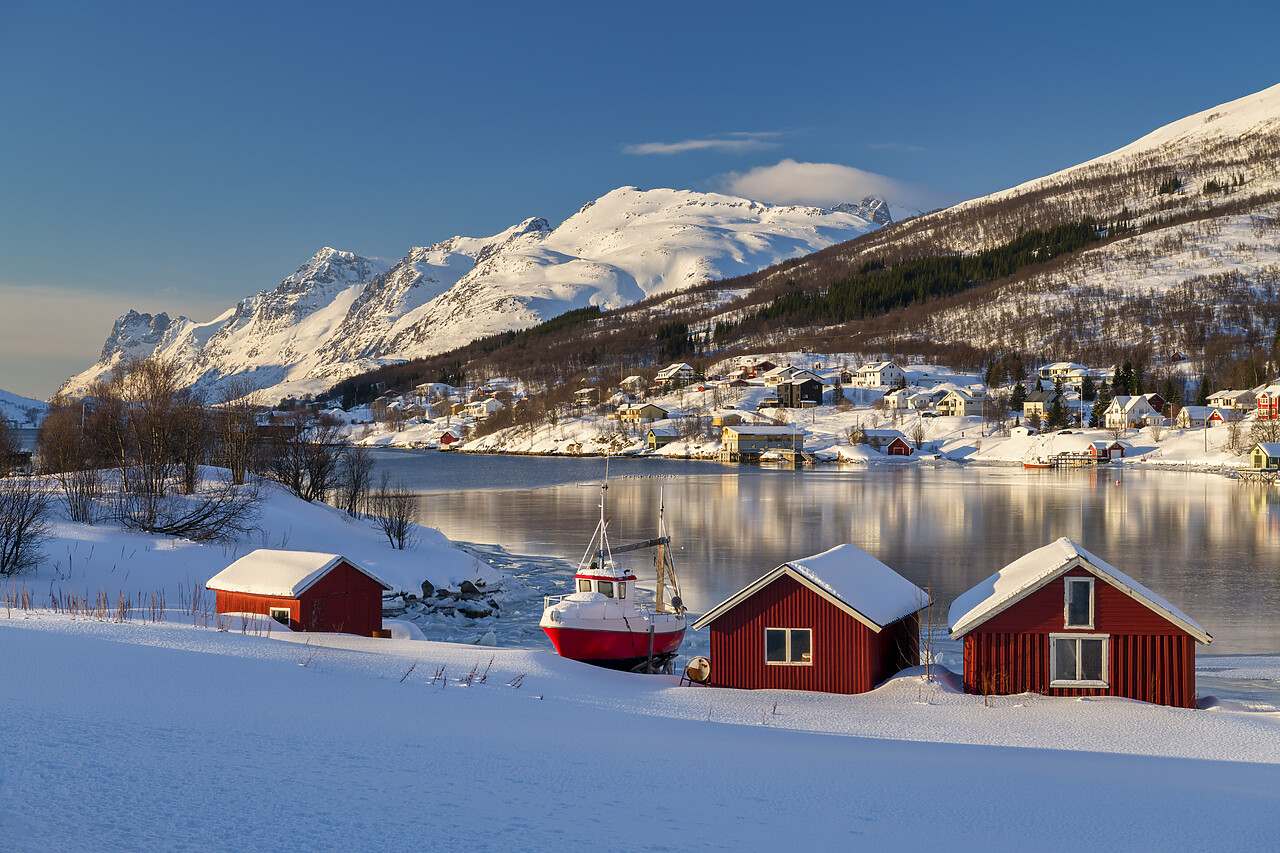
(1149, 658)
(344, 601)
(848, 657)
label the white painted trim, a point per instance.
(788, 661)
(1066, 601)
(785, 569)
(1054, 681)
(288, 615)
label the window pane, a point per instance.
(584, 586)
(605, 587)
(775, 645)
(1091, 660)
(800, 642)
(1078, 594)
(622, 589)
(1064, 660)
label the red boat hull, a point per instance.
(611, 648)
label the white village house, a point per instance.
(1129, 412)
(879, 374)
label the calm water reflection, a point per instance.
(1205, 542)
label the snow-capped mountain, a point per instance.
(22, 412)
(1198, 202)
(342, 314)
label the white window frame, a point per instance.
(1055, 681)
(1066, 601)
(288, 616)
(788, 661)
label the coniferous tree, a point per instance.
(1098, 414)
(1088, 390)
(1202, 398)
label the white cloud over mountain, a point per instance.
(827, 184)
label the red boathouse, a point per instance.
(302, 589)
(1061, 622)
(837, 622)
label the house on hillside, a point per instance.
(1127, 412)
(676, 374)
(305, 590)
(879, 374)
(1240, 401)
(1063, 370)
(802, 390)
(1059, 621)
(838, 622)
(880, 439)
(481, 409)
(1156, 402)
(642, 413)
(965, 402)
(1038, 403)
(1200, 417)
(1267, 403)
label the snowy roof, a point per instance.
(1271, 448)
(849, 578)
(1033, 570)
(664, 432)
(747, 429)
(283, 573)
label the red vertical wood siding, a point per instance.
(848, 657)
(344, 601)
(1149, 657)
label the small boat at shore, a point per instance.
(1037, 463)
(603, 622)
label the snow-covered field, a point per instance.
(146, 736)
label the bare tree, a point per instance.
(236, 429)
(918, 433)
(355, 475)
(220, 512)
(1264, 430)
(24, 525)
(1235, 437)
(395, 510)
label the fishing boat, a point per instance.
(603, 622)
(1039, 462)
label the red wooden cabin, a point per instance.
(302, 589)
(898, 447)
(1062, 622)
(838, 622)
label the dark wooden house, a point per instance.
(838, 622)
(305, 590)
(799, 392)
(1062, 622)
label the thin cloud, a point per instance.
(827, 184)
(895, 146)
(731, 142)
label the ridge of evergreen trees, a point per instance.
(875, 290)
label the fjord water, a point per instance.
(1203, 541)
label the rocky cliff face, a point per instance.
(340, 313)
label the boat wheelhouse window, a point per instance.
(1079, 604)
(1077, 660)
(622, 589)
(788, 646)
(280, 614)
(584, 585)
(605, 588)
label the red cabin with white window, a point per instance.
(838, 622)
(1061, 622)
(305, 590)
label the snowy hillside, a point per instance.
(341, 314)
(23, 411)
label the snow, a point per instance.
(160, 736)
(1033, 570)
(852, 577)
(268, 571)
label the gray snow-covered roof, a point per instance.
(850, 578)
(1033, 570)
(284, 573)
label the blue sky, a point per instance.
(174, 157)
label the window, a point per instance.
(584, 585)
(622, 589)
(788, 646)
(1078, 660)
(1079, 605)
(605, 587)
(280, 614)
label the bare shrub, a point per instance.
(221, 512)
(394, 509)
(24, 524)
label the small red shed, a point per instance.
(898, 447)
(305, 590)
(1062, 622)
(839, 622)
